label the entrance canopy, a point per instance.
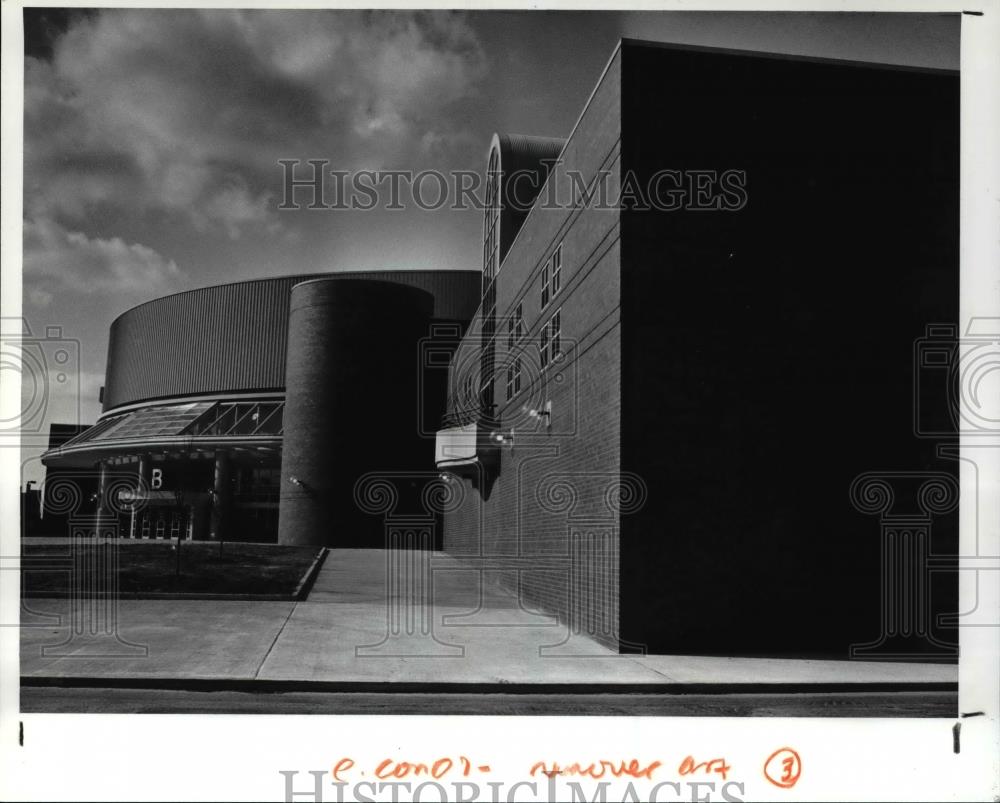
(174, 426)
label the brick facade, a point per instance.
(725, 374)
(551, 483)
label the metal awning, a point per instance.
(456, 446)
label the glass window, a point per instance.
(515, 326)
(491, 220)
(550, 340)
(552, 276)
(197, 419)
(513, 377)
(150, 422)
(556, 279)
(238, 418)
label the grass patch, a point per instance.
(150, 567)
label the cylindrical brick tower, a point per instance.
(351, 384)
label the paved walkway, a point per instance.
(352, 629)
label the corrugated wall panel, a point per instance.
(233, 337)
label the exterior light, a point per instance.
(545, 413)
(504, 439)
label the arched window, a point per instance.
(491, 265)
(491, 221)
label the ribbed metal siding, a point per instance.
(233, 338)
(519, 154)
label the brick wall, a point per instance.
(550, 507)
(768, 352)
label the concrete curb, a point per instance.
(306, 583)
(300, 593)
(381, 687)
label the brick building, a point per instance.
(695, 332)
(223, 405)
(662, 403)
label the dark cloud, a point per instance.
(42, 26)
(188, 112)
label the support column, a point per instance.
(201, 517)
(221, 497)
(141, 488)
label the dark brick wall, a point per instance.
(768, 353)
(550, 489)
(738, 370)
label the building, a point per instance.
(662, 404)
(692, 333)
(197, 407)
(54, 523)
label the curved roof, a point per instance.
(521, 155)
(518, 151)
(232, 338)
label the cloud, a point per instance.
(39, 298)
(57, 260)
(184, 114)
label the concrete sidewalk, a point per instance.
(356, 627)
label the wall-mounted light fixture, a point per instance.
(503, 438)
(544, 414)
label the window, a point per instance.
(238, 418)
(491, 220)
(550, 340)
(487, 362)
(556, 279)
(552, 276)
(515, 326)
(513, 377)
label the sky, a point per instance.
(153, 137)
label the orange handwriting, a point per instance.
(716, 765)
(437, 770)
(783, 768)
(404, 769)
(341, 766)
(597, 769)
